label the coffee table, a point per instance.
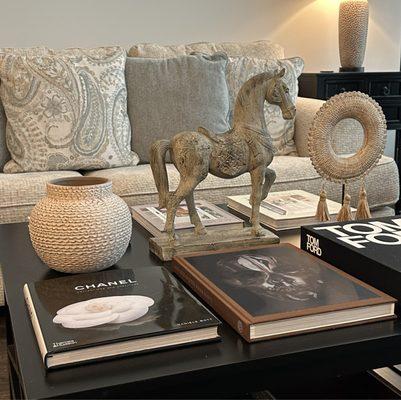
(208, 370)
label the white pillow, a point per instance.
(66, 109)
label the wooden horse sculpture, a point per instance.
(247, 147)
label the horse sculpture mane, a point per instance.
(247, 147)
(250, 85)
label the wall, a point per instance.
(305, 27)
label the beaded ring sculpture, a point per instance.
(340, 169)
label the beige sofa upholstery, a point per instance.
(135, 184)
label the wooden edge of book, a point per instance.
(214, 297)
(238, 317)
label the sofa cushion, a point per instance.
(66, 110)
(259, 49)
(4, 153)
(136, 186)
(240, 69)
(20, 192)
(167, 96)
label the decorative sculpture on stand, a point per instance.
(247, 147)
(340, 169)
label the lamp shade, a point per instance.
(353, 25)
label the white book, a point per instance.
(289, 209)
(153, 218)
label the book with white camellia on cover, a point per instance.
(113, 313)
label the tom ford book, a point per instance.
(369, 249)
(280, 290)
(113, 313)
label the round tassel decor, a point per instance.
(339, 168)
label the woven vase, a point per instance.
(80, 226)
(353, 24)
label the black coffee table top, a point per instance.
(229, 366)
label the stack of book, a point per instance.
(284, 210)
(280, 290)
(153, 218)
(107, 314)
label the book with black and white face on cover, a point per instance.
(112, 313)
(279, 290)
(284, 210)
(153, 218)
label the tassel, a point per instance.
(363, 211)
(322, 212)
(345, 212)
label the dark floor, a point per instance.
(4, 393)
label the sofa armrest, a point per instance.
(347, 136)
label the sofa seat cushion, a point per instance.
(20, 192)
(136, 186)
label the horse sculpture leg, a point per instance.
(193, 215)
(257, 176)
(184, 189)
(270, 177)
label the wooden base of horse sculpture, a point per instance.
(189, 242)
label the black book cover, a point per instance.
(85, 310)
(369, 249)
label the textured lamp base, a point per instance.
(188, 243)
(353, 24)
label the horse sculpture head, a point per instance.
(278, 93)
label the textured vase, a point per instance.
(353, 25)
(80, 226)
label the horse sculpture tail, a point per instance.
(158, 164)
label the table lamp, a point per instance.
(353, 24)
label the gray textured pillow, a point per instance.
(167, 96)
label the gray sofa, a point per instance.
(20, 192)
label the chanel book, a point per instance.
(153, 218)
(112, 313)
(368, 249)
(279, 290)
(289, 209)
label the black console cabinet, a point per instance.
(384, 87)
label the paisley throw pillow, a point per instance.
(240, 69)
(66, 110)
